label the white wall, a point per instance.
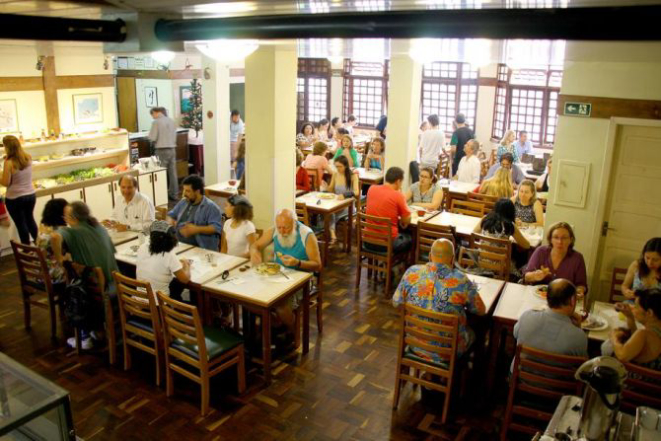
(19, 59)
(80, 59)
(65, 104)
(31, 111)
(165, 99)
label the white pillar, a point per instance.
(271, 73)
(403, 108)
(216, 99)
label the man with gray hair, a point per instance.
(439, 287)
(133, 211)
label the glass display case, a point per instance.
(31, 407)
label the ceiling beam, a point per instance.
(30, 27)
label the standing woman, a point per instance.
(348, 151)
(507, 146)
(20, 197)
(344, 184)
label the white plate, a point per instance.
(600, 325)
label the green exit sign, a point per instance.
(578, 109)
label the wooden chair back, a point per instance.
(427, 234)
(527, 158)
(475, 209)
(302, 213)
(616, 285)
(182, 322)
(443, 170)
(32, 267)
(544, 378)
(492, 158)
(493, 254)
(488, 201)
(641, 388)
(433, 332)
(374, 230)
(313, 176)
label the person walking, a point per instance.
(164, 135)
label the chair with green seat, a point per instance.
(190, 345)
(433, 332)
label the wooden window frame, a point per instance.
(348, 90)
(312, 68)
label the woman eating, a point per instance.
(348, 151)
(543, 183)
(425, 193)
(344, 183)
(323, 129)
(306, 137)
(500, 185)
(52, 219)
(375, 159)
(644, 273)
(499, 224)
(317, 160)
(529, 211)
(558, 260)
(238, 230)
(507, 146)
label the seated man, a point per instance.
(507, 161)
(133, 211)
(387, 200)
(470, 166)
(522, 145)
(555, 329)
(294, 246)
(438, 287)
(196, 218)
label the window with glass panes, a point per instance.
(313, 89)
(365, 91)
(447, 89)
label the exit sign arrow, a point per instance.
(578, 109)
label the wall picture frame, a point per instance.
(151, 96)
(8, 116)
(88, 108)
(185, 93)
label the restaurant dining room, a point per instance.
(330, 220)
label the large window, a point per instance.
(313, 89)
(448, 89)
(365, 91)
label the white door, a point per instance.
(99, 199)
(160, 188)
(71, 195)
(633, 211)
(39, 207)
(146, 186)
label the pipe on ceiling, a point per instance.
(599, 23)
(30, 27)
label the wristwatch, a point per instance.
(298, 265)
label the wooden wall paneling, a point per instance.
(127, 104)
(84, 81)
(186, 74)
(50, 95)
(606, 108)
(19, 84)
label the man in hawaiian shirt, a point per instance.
(439, 287)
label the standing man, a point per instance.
(237, 128)
(133, 211)
(522, 145)
(164, 135)
(431, 144)
(196, 218)
(459, 139)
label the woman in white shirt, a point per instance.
(158, 264)
(238, 230)
(470, 166)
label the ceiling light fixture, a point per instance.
(163, 57)
(228, 51)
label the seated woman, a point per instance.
(302, 176)
(348, 151)
(344, 183)
(558, 260)
(644, 345)
(499, 223)
(375, 159)
(238, 230)
(500, 185)
(159, 265)
(317, 160)
(507, 146)
(306, 137)
(543, 183)
(425, 193)
(52, 219)
(323, 129)
(644, 273)
(529, 211)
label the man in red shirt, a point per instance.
(387, 200)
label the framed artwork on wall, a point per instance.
(185, 93)
(8, 116)
(88, 108)
(151, 96)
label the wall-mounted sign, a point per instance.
(578, 109)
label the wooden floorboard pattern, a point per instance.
(342, 390)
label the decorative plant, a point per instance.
(192, 119)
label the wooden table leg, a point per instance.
(306, 318)
(326, 236)
(349, 228)
(266, 344)
(494, 348)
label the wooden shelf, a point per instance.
(79, 159)
(34, 145)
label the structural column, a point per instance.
(403, 108)
(216, 117)
(271, 130)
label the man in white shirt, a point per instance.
(133, 211)
(431, 143)
(523, 145)
(470, 166)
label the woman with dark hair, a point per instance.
(157, 263)
(425, 193)
(348, 151)
(306, 136)
(499, 223)
(375, 158)
(52, 219)
(238, 230)
(344, 184)
(323, 130)
(644, 273)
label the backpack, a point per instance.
(77, 302)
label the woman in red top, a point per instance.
(302, 178)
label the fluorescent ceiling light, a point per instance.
(225, 8)
(423, 50)
(228, 51)
(163, 57)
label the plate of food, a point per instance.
(541, 291)
(132, 251)
(268, 269)
(326, 196)
(594, 322)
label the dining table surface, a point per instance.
(223, 189)
(369, 176)
(207, 265)
(488, 288)
(128, 251)
(120, 237)
(459, 188)
(323, 202)
(416, 217)
(463, 224)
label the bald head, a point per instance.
(561, 294)
(284, 222)
(442, 251)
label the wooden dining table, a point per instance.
(463, 224)
(120, 237)
(128, 251)
(369, 177)
(223, 189)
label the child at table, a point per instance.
(238, 230)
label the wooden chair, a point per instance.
(303, 216)
(488, 201)
(475, 209)
(302, 213)
(313, 176)
(206, 350)
(427, 234)
(616, 285)
(433, 332)
(36, 281)
(493, 254)
(539, 380)
(376, 231)
(443, 170)
(139, 318)
(641, 388)
(492, 158)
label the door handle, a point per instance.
(155, 177)
(81, 195)
(109, 188)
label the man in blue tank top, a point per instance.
(295, 246)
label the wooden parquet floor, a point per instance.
(341, 390)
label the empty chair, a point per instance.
(443, 170)
(198, 353)
(313, 176)
(493, 254)
(475, 209)
(427, 234)
(641, 388)
(616, 285)
(487, 200)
